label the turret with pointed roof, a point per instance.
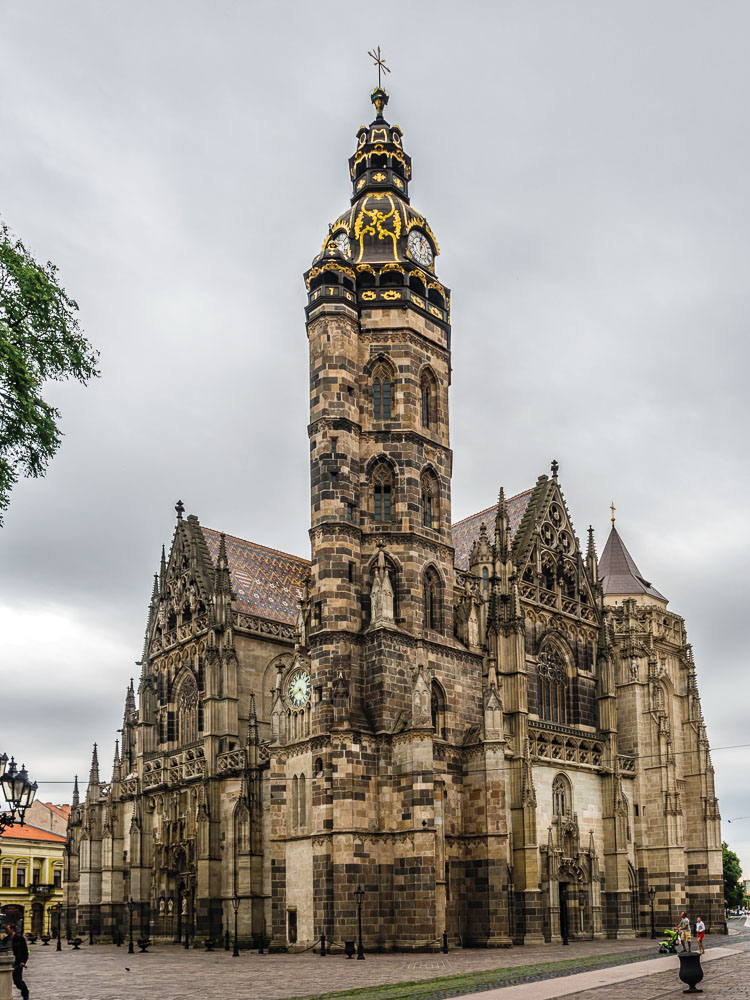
(619, 574)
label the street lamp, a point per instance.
(651, 894)
(359, 895)
(19, 792)
(131, 907)
(236, 905)
(59, 926)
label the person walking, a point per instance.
(684, 931)
(20, 957)
(700, 930)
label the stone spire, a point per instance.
(592, 562)
(76, 795)
(502, 527)
(116, 767)
(92, 792)
(163, 573)
(618, 572)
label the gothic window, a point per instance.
(382, 483)
(295, 802)
(562, 798)
(437, 708)
(302, 814)
(187, 710)
(485, 578)
(431, 600)
(429, 500)
(428, 393)
(381, 393)
(548, 574)
(551, 689)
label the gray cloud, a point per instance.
(585, 169)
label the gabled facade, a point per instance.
(493, 733)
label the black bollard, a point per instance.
(226, 939)
(91, 935)
(445, 942)
(322, 946)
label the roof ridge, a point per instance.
(258, 545)
(29, 826)
(470, 517)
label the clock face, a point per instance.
(299, 687)
(342, 242)
(419, 248)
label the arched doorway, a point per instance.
(37, 919)
(14, 915)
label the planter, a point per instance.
(143, 944)
(349, 949)
(76, 942)
(45, 939)
(209, 944)
(690, 970)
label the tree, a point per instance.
(40, 340)
(734, 892)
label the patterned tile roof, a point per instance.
(267, 582)
(467, 531)
(27, 832)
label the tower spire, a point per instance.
(76, 794)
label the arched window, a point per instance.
(382, 488)
(302, 815)
(552, 702)
(381, 393)
(438, 709)
(562, 798)
(429, 500)
(187, 710)
(431, 600)
(294, 811)
(485, 578)
(548, 573)
(428, 393)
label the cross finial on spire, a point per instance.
(180, 508)
(613, 509)
(554, 467)
(379, 61)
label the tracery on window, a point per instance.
(382, 489)
(562, 799)
(429, 500)
(187, 710)
(382, 392)
(428, 396)
(551, 689)
(431, 600)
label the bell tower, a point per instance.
(378, 323)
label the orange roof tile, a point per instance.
(63, 811)
(26, 832)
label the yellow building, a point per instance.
(31, 871)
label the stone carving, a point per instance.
(381, 594)
(421, 714)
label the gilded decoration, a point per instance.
(369, 296)
(391, 295)
(373, 221)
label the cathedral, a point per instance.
(493, 732)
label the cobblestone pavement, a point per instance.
(104, 972)
(724, 979)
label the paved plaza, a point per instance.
(104, 972)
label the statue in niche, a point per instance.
(381, 594)
(161, 907)
(421, 702)
(473, 628)
(184, 906)
(170, 907)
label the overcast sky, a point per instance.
(584, 166)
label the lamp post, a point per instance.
(359, 895)
(131, 907)
(236, 906)
(651, 894)
(59, 927)
(19, 792)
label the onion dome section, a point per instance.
(381, 250)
